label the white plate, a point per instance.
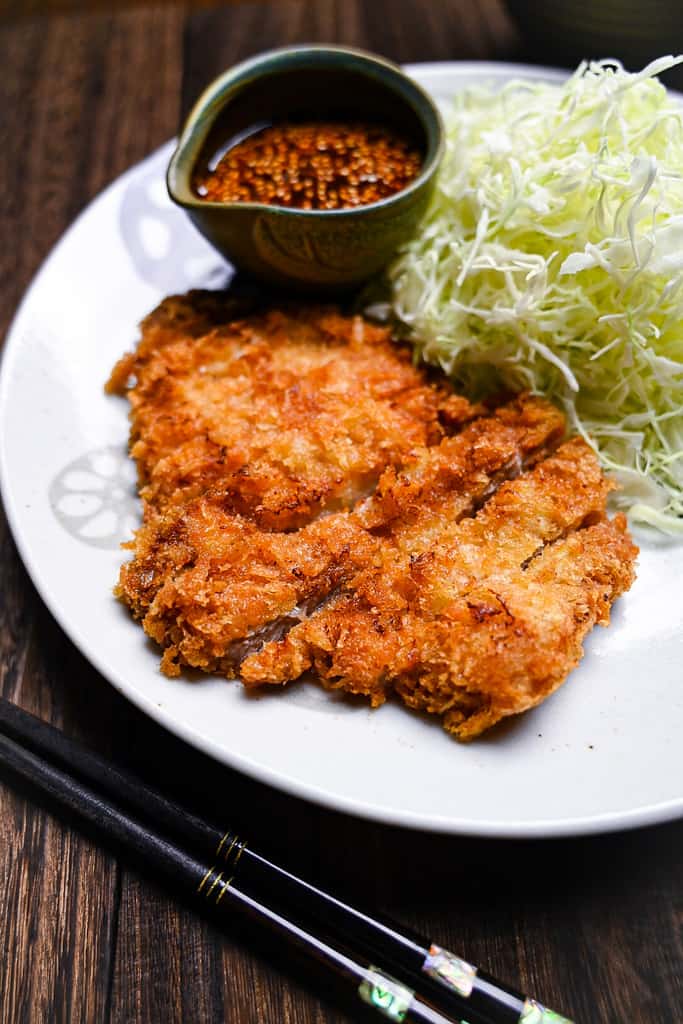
(603, 753)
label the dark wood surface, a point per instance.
(593, 926)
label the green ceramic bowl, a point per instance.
(310, 250)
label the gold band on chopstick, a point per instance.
(203, 881)
(224, 888)
(213, 885)
(217, 882)
(230, 846)
(228, 835)
(228, 852)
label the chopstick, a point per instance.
(417, 980)
(193, 878)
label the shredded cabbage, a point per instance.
(552, 259)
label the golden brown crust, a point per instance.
(288, 414)
(480, 617)
(313, 501)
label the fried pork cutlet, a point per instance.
(287, 414)
(464, 583)
(210, 585)
(482, 618)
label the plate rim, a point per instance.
(576, 825)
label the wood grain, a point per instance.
(17, 9)
(592, 925)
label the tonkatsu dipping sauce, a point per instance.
(313, 166)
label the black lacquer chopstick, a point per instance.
(449, 984)
(193, 878)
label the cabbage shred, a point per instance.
(552, 259)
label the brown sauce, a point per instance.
(312, 166)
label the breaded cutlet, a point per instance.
(472, 618)
(312, 501)
(288, 414)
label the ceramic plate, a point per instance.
(603, 753)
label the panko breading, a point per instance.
(288, 415)
(314, 502)
(209, 584)
(485, 618)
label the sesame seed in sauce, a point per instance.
(320, 166)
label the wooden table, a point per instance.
(591, 925)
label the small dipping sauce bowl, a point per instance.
(317, 249)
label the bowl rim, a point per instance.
(193, 133)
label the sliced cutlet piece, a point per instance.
(561, 493)
(456, 477)
(509, 642)
(288, 413)
(432, 626)
(211, 587)
(419, 541)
